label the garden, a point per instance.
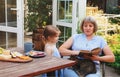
(113, 40)
(114, 43)
(112, 36)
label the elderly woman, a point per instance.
(87, 40)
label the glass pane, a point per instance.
(2, 13)
(65, 34)
(12, 40)
(11, 13)
(64, 11)
(2, 39)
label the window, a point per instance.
(65, 34)
(64, 10)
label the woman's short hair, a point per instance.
(91, 20)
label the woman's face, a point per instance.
(88, 28)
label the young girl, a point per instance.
(51, 35)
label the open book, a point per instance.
(95, 51)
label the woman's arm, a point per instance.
(65, 48)
(108, 55)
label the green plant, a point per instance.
(113, 10)
(114, 43)
(39, 14)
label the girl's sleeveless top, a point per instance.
(56, 53)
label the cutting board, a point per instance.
(16, 60)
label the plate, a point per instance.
(36, 54)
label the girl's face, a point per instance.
(88, 28)
(54, 39)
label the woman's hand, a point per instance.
(93, 57)
(105, 58)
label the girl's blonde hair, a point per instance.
(50, 30)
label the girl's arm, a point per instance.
(48, 51)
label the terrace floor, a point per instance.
(110, 72)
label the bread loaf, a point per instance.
(2, 56)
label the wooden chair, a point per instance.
(103, 69)
(102, 66)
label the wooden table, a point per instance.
(36, 67)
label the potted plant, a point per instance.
(39, 15)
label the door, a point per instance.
(67, 15)
(11, 23)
